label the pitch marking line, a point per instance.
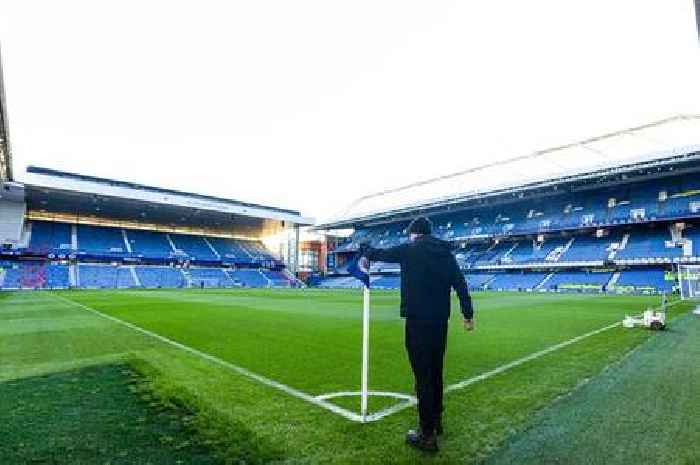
(240, 370)
(320, 400)
(503, 368)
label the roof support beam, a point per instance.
(5, 154)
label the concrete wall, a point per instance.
(11, 221)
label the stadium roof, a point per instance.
(58, 191)
(5, 158)
(667, 141)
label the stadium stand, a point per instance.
(249, 278)
(63, 229)
(645, 280)
(516, 281)
(194, 246)
(50, 237)
(277, 278)
(149, 244)
(160, 276)
(104, 276)
(209, 277)
(587, 247)
(579, 280)
(33, 275)
(648, 244)
(525, 245)
(230, 250)
(478, 280)
(387, 282)
(100, 241)
(340, 282)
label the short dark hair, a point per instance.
(420, 225)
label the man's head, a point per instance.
(421, 226)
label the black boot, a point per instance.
(438, 427)
(419, 440)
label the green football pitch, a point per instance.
(267, 369)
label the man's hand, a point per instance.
(469, 325)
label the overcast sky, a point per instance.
(311, 104)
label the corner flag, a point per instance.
(359, 268)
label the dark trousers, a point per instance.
(425, 344)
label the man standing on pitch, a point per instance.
(429, 272)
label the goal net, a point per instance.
(689, 281)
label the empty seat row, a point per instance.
(100, 241)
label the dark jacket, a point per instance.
(429, 272)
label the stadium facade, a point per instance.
(616, 213)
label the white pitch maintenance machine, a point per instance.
(654, 319)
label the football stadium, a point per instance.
(147, 325)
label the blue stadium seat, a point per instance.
(49, 237)
(249, 278)
(646, 279)
(105, 276)
(386, 282)
(516, 281)
(101, 241)
(160, 276)
(33, 275)
(579, 280)
(649, 243)
(210, 277)
(149, 244)
(194, 246)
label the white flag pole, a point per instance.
(365, 353)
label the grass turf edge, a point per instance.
(229, 439)
(615, 361)
(234, 442)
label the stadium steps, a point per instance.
(185, 273)
(506, 255)
(230, 278)
(269, 281)
(544, 281)
(135, 276)
(127, 244)
(74, 236)
(170, 241)
(72, 275)
(613, 280)
(211, 247)
(293, 279)
(488, 281)
(623, 244)
(565, 248)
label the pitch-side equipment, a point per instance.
(652, 319)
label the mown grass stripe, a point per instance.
(240, 370)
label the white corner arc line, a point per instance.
(397, 395)
(240, 370)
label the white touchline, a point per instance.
(320, 400)
(240, 370)
(467, 382)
